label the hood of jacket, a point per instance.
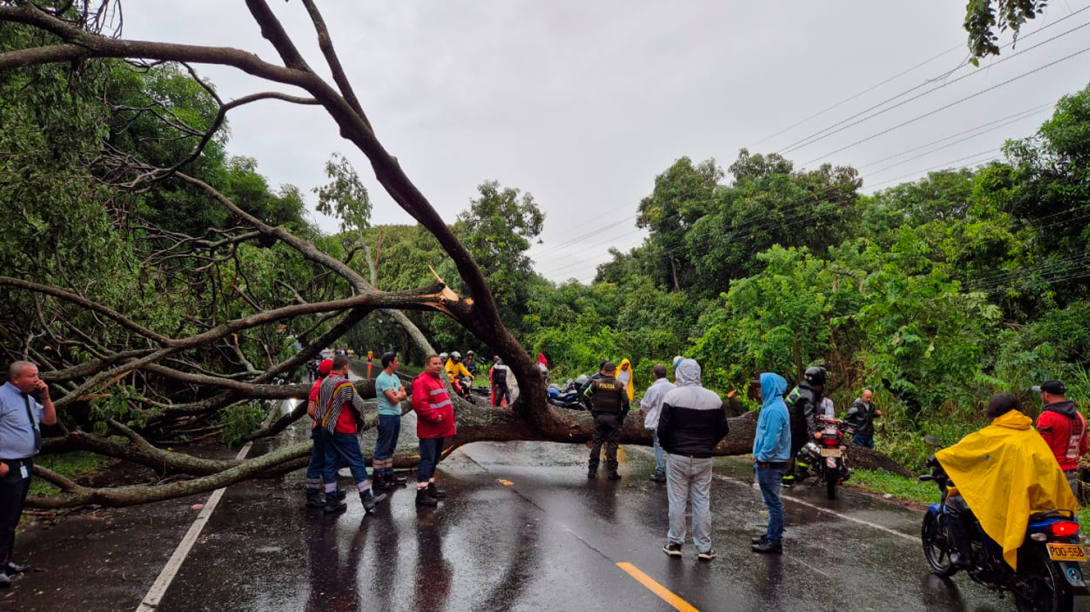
(773, 387)
(1066, 408)
(688, 373)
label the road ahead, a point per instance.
(525, 530)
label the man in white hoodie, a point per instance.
(651, 405)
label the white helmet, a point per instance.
(443, 356)
(456, 356)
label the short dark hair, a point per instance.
(388, 358)
(1002, 404)
(340, 362)
(428, 359)
(609, 366)
(659, 370)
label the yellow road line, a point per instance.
(656, 588)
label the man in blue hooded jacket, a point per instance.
(771, 450)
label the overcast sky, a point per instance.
(583, 103)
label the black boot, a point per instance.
(424, 499)
(381, 483)
(370, 500)
(314, 500)
(341, 493)
(768, 547)
(436, 492)
(334, 504)
(5, 580)
(614, 476)
(397, 479)
(592, 473)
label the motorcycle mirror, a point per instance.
(932, 441)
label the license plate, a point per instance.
(1066, 552)
(831, 452)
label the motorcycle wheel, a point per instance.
(831, 475)
(1047, 588)
(934, 549)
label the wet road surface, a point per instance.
(523, 529)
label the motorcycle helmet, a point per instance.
(469, 353)
(456, 356)
(443, 357)
(582, 380)
(815, 375)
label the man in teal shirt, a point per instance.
(390, 394)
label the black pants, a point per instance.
(607, 428)
(960, 527)
(13, 490)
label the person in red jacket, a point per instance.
(434, 423)
(1061, 425)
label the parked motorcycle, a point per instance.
(1049, 576)
(568, 395)
(826, 457)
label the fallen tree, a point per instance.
(158, 364)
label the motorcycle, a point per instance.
(825, 457)
(568, 395)
(462, 386)
(1049, 576)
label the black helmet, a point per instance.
(815, 375)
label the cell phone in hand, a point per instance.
(37, 395)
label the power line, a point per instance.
(950, 105)
(840, 125)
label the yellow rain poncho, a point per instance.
(625, 376)
(1006, 472)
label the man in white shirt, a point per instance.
(651, 406)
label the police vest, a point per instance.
(607, 395)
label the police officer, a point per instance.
(609, 405)
(24, 406)
(804, 406)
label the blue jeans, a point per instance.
(864, 441)
(770, 479)
(430, 450)
(344, 446)
(389, 428)
(317, 463)
(660, 455)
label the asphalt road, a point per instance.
(522, 529)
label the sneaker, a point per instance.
(674, 550)
(423, 499)
(707, 555)
(769, 547)
(658, 477)
(614, 476)
(436, 492)
(370, 500)
(761, 539)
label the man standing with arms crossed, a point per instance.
(24, 406)
(434, 423)
(608, 404)
(652, 406)
(390, 395)
(1064, 428)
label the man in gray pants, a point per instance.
(691, 424)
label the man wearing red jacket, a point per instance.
(1061, 425)
(434, 423)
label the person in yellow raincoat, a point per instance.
(624, 376)
(1003, 473)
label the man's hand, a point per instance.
(4, 469)
(878, 412)
(43, 388)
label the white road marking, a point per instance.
(828, 511)
(170, 570)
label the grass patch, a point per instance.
(898, 486)
(71, 465)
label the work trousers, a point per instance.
(690, 478)
(607, 429)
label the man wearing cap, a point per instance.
(608, 401)
(1061, 425)
(24, 406)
